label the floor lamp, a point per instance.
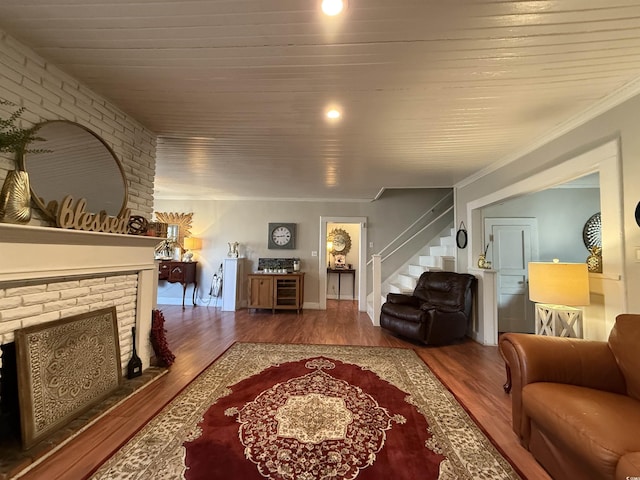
(557, 288)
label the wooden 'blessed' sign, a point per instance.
(74, 217)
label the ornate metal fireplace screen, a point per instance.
(65, 367)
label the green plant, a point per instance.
(14, 139)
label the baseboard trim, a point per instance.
(342, 297)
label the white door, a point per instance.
(513, 243)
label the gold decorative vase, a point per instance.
(594, 260)
(15, 198)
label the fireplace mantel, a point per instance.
(33, 253)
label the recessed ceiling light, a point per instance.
(332, 7)
(333, 114)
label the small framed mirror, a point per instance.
(461, 236)
(173, 232)
(72, 160)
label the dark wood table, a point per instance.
(184, 273)
(344, 271)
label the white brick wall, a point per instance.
(22, 307)
(50, 94)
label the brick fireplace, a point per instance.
(48, 273)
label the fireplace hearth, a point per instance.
(13, 458)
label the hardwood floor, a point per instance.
(197, 336)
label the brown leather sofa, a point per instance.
(438, 312)
(576, 403)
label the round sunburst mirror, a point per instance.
(340, 241)
(179, 225)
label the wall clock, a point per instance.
(282, 236)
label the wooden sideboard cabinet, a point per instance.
(278, 291)
(179, 272)
(260, 291)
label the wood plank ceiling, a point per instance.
(431, 91)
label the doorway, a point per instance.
(343, 262)
(358, 251)
(512, 244)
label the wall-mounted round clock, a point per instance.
(282, 236)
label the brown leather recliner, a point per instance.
(438, 312)
(576, 403)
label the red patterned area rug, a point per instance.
(309, 412)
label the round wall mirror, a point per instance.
(72, 160)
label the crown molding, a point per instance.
(616, 98)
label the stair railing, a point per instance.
(431, 211)
(378, 258)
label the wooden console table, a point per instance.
(274, 291)
(179, 272)
(345, 271)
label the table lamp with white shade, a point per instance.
(190, 244)
(557, 288)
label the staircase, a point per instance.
(438, 255)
